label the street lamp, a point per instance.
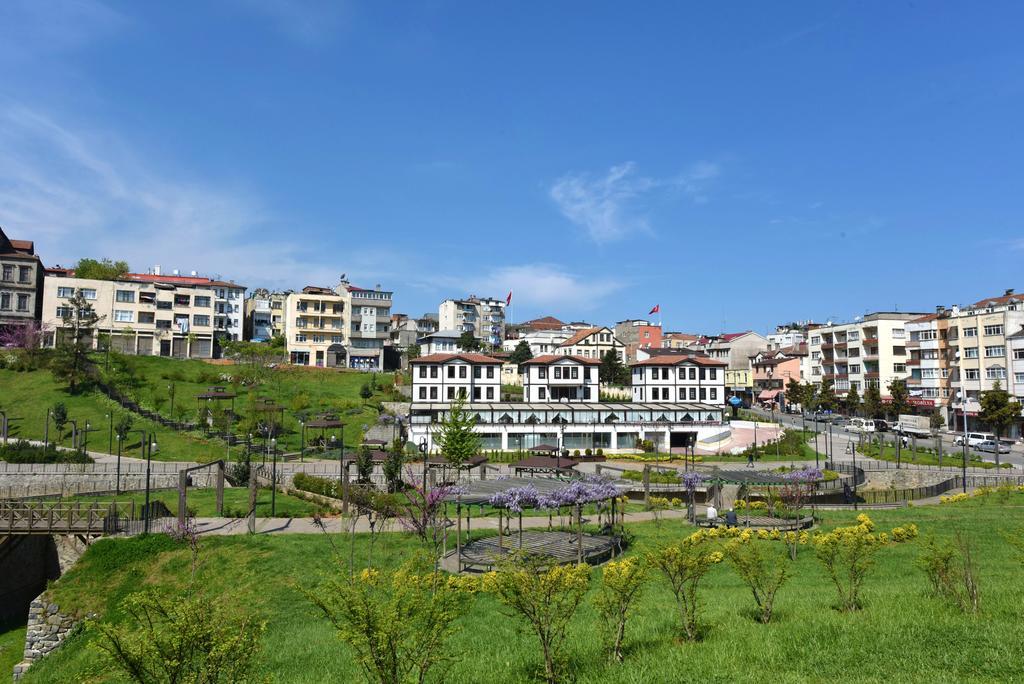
(302, 447)
(46, 432)
(273, 477)
(110, 435)
(170, 389)
(85, 437)
(74, 433)
(117, 483)
(148, 446)
(3, 426)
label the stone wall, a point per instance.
(17, 485)
(47, 629)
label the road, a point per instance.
(840, 438)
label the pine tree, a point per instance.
(899, 397)
(456, 435)
(794, 392)
(872, 402)
(521, 354)
(852, 401)
(612, 371)
(70, 362)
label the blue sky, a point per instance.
(740, 164)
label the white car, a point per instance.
(860, 425)
(974, 438)
(989, 445)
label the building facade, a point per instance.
(772, 371)
(265, 315)
(343, 327)
(228, 310)
(540, 342)
(682, 378)
(21, 283)
(635, 334)
(144, 314)
(556, 377)
(482, 316)
(592, 343)
(447, 377)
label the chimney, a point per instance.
(940, 309)
(175, 272)
(1008, 292)
(955, 310)
(195, 273)
(156, 270)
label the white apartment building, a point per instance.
(785, 337)
(592, 343)
(682, 378)
(264, 315)
(541, 342)
(440, 342)
(735, 349)
(482, 316)
(145, 314)
(446, 377)
(228, 310)
(1015, 344)
(869, 351)
(342, 327)
(557, 378)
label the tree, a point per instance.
(521, 354)
(546, 596)
(103, 269)
(364, 464)
(456, 434)
(826, 396)
(621, 586)
(794, 393)
(852, 401)
(872, 402)
(998, 411)
(760, 568)
(123, 426)
(365, 392)
(468, 342)
(808, 396)
(60, 418)
(412, 352)
(936, 421)
(684, 564)
(899, 402)
(393, 466)
(612, 372)
(70, 363)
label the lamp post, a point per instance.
(117, 483)
(170, 389)
(273, 477)
(85, 437)
(74, 434)
(963, 410)
(46, 432)
(148, 445)
(302, 431)
(817, 460)
(3, 426)
(110, 434)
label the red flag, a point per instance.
(508, 300)
(656, 309)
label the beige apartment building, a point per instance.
(21, 282)
(871, 351)
(343, 327)
(143, 314)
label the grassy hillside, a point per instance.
(202, 503)
(25, 396)
(903, 634)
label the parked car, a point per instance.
(990, 445)
(841, 422)
(974, 438)
(881, 425)
(860, 425)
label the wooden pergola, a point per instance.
(324, 423)
(550, 465)
(217, 394)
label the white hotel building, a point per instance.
(574, 421)
(681, 378)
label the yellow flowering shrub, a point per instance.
(762, 569)
(622, 583)
(684, 565)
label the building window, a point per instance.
(998, 350)
(476, 371)
(202, 302)
(23, 302)
(300, 337)
(88, 293)
(971, 374)
(542, 393)
(198, 319)
(970, 332)
(693, 373)
(1018, 353)
(146, 317)
(816, 339)
(993, 330)
(1018, 378)
(423, 371)
(898, 333)
(693, 394)
(182, 300)
(451, 371)
(712, 375)
(8, 272)
(490, 393)
(703, 394)
(476, 394)
(451, 393)
(5, 301)
(65, 292)
(24, 274)
(995, 373)
(970, 352)
(433, 393)
(123, 316)
(433, 372)
(462, 372)
(542, 373)
(899, 368)
(423, 392)
(713, 394)
(125, 296)
(574, 372)
(490, 372)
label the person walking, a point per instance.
(750, 459)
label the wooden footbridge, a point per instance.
(73, 518)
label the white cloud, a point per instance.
(535, 287)
(83, 194)
(609, 208)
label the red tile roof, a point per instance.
(545, 323)
(729, 337)
(23, 246)
(675, 360)
(178, 279)
(468, 358)
(580, 336)
(548, 359)
(991, 301)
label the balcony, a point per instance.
(871, 375)
(912, 344)
(836, 376)
(913, 382)
(828, 346)
(913, 362)
(840, 345)
(870, 342)
(870, 357)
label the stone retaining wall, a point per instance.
(17, 485)
(47, 629)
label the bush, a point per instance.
(576, 453)
(24, 452)
(764, 571)
(684, 564)
(317, 485)
(622, 584)
(600, 452)
(589, 451)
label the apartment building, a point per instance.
(678, 340)
(592, 343)
(555, 377)
(265, 315)
(446, 377)
(786, 336)
(982, 353)
(21, 282)
(733, 348)
(440, 342)
(343, 327)
(144, 314)
(679, 378)
(1015, 348)
(406, 331)
(871, 351)
(772, 371)
(482, 316)
(637, 334)
(228, 310)
(930, 362)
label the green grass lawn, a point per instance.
(902, 635)
(12, 646)
(922, 457)
(203, 502)
(27, 395)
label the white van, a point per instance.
(860, 425)
(974, 438)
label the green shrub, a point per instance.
(24, 452)
(317, 485)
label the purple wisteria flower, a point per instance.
(804, 475)
(692, 480)
(515, 499)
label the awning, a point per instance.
(768, 395)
